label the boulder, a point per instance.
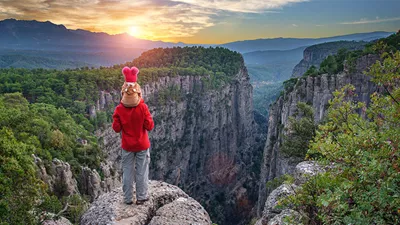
(168, 204)
(305, 170)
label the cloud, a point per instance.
(245, 6)
(155, 19)
(366, 21)
(295, 25)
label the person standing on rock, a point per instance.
(133, 119)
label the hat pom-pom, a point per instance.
(130, 74)
(135, 72)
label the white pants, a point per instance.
(141, 174)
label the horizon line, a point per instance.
(261, 38)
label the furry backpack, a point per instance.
(131, 92)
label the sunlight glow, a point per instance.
(134, 31)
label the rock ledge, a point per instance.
(168, 205)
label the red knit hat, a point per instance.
(130, 74)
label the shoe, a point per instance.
(141, 202)
(129, 203)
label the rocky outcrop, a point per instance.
(315, 91)
(274, 215)
(168, 205)
(61, 181)
(58, 176)
(59, 221)
(270, 209)
(314, 55)
(305, 170)
(107, 101)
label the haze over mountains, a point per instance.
(46, 39)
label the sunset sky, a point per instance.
(212, 21)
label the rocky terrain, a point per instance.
(315, 91)
(314, 55)
(167, 205)
(274, 215)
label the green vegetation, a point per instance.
(32, 62)
(48, 132)
(278, 181)
(264, 95)
(299, 132)
(73, 90)
(19, 187)
(288, 85)
(334, 64)
(267, 80)
(363, 185)
(216, 59)
(336, 45)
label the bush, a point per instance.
(299, 132)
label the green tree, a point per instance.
(19, 188)
(329, 65)
(300, 131)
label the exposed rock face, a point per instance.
(305, 170)
(270, 209)
(168, 205)
(60, 221)
(58, 177)
(286, 213)
(107, 100)
(60, 180)
(316, 91)
(205, 141)
(314, 55)
(272, 215)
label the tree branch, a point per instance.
(390, 94)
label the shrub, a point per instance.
(299, 132)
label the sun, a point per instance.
(133, 31)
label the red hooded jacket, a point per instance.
(134, 122)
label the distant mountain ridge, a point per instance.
(33, 34)
(273, 56)
(44, 35)
(293, 43)
(63, 46)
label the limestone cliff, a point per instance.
(315, 91)
(314, 55)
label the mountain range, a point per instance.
(44, 36)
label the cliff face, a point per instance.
(314, 55)
(315, 91)
(205, 141)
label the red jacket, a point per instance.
(134, 122)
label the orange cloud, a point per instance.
(156, 19)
